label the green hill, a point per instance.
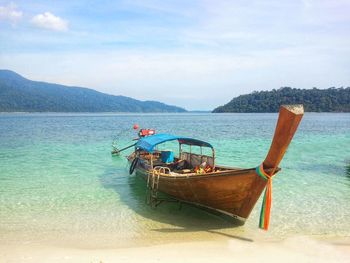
(22, 95)
(314, 100)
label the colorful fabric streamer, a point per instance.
(266, 204)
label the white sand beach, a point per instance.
(295, 249)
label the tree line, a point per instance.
(314, 100)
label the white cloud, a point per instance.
(9, 13)
(48, 20)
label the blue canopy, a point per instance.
(148, 143)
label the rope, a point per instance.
(264, 220)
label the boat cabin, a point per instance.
(186, 162)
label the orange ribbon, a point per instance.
(267, 200)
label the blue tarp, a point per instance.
(148, 143)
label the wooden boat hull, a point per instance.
(233, 193)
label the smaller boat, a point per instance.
(197, 179)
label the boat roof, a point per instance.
(149, 142)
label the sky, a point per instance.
(193, 54)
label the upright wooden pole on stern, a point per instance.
(287, 124)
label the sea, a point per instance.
(60, 184)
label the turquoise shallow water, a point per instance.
(59, 182)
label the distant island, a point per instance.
(314, 100)
(18, 94)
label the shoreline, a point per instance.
(161, 236)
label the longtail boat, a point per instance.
(195, 178)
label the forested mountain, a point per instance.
(20, 94)
(314, 100)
